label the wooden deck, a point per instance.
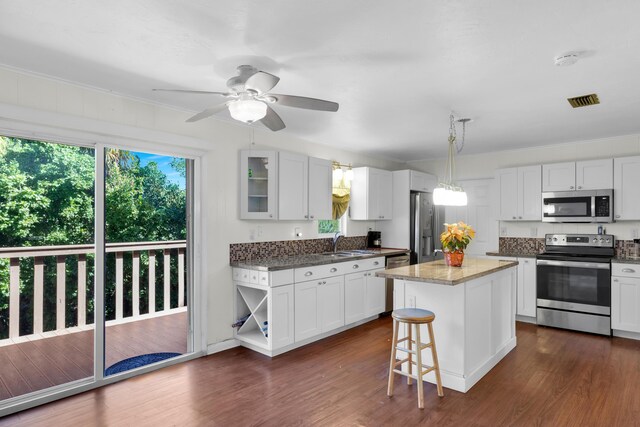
(43, 363)
(552, 378)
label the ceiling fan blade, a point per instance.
(272, 120)
(198, 92)
(307, 103)
(207, 113)
(261, 82)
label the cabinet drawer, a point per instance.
(625, 270)
(278, 277)
(241, 275)
(364, 264)
(319, 271)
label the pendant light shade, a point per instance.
(447, 193)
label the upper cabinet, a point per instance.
(519, 191)
(420, 181)
(320, 188)
(583, 175)
(258, 174)
(626, 191)
(286, 186)
(304, 187)
(371, 194)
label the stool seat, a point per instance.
(413, 315)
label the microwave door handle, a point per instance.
(593, 206)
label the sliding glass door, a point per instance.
(90, 236)
(145, 292)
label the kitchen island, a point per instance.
(475, 308)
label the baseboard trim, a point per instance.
(625, 334)
(526, 319)
(222, 346)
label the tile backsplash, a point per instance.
(521, 245)
(533, 245)
(283, 248)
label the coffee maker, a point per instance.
(374, 239)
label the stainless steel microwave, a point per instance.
(578, 206)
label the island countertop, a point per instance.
(439, 272)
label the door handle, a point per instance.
(355, 266)
(308, 273)
(628, 270)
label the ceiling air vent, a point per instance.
(584, 101)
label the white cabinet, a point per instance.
(526, 289)
(559, 177)
(375, 294)
(371, 194)
(258, 197)
(304, 187)
(526, 297)
(421, 181)
(625, 297)
(364, 295)
(319, 306)
(269, 315)
(582, 175)
(320, 188)
(626, 188)
(354, 301)
(520, 193)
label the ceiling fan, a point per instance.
(249, 100)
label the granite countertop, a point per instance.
(439, 272)
(513, 254)
(297, 261)
(624, 260)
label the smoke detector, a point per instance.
(567, 59)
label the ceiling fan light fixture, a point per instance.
(247, 110)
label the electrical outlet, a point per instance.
(503, 231)
(297, 232)
(634, 233)
(412, 301)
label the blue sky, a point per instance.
(164, 164)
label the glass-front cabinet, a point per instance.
(258, 171)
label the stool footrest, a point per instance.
(414, 363)
(422, 347)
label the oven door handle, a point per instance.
(591, 265)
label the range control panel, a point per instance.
(583, 240)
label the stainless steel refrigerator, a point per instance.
(427, 223)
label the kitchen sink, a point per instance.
(345, 254)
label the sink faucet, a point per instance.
(336, 237)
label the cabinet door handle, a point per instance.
(571, 187)
(308, 273)
(306, 216)
(519, 217)
(333, 270)
(312, 217)
(579, 187)
(628, 270)
(355, 266)
(270, 216)
(617, 216)
(615, 280)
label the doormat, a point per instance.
(137, 362)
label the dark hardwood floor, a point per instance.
(553, 378)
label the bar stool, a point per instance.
(413, 317)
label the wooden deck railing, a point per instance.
(38, 253)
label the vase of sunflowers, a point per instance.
(454, 241)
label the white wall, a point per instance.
(483, 166)
(86, 108)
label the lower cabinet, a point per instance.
(268, 314)
(319, 306)
(526, 290)
(625, 297)
(526, 296)
(364, 295)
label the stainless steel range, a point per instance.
(574, 282)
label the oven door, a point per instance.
(582, 286)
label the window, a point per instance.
(332, 226)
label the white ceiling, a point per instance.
(397, 68)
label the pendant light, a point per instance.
(448, 193)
